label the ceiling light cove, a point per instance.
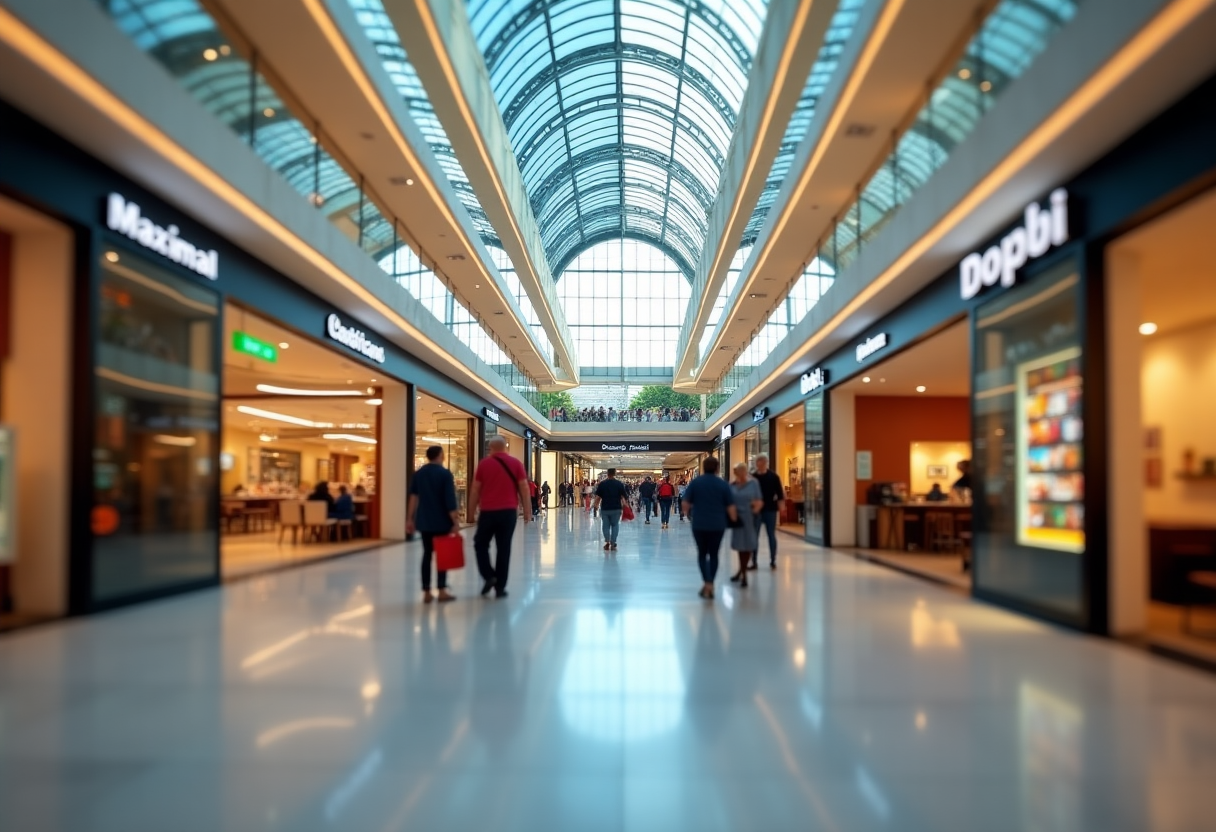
(349, 437)
(281, 417)
(299, 391)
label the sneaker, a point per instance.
(647, 522)
(606, 546)
(500, 593)
(614, 547)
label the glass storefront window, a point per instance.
(1027, 472)
(814, 479)
(156, 430)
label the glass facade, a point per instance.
(625, 302)
(1005, 44)
(156, 435)
(1027, 470)
(815, 480)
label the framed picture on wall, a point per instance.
(937, 472)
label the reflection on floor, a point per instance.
(601, 696)
(945, 569)
(1165, 631)
(247, 554)
(796, 529)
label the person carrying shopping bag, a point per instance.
(432, 511)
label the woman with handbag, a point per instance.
(748, 502)
(433, 512)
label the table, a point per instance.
(893, 521)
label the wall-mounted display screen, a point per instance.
(1051, 485)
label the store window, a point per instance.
(1027, 472)
(156, 431)
(813, 485)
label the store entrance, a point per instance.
(1162, 316)
(438, 423)
(300, 450)
(909, 422)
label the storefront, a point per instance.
(200, 388)
(437, 422)
(991, 420)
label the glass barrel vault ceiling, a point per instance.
(620, 112)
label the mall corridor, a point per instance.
(832, 694)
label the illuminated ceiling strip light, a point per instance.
(878, 37)
(177, 441)
(355, 69)
(38, 51)
(449, 71)
(281, 417)
(779, 79)
(1147, 42)
(349, 437)
(295, 391)
(150, 386)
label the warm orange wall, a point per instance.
(888, 425)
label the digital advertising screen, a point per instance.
(1051, 482)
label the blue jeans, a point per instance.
(708, 544)
(768, 520)
(665, 509)
(647, 507)
(610, 520)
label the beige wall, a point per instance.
(36, 401)
(843, 470)
(941, 454)
(390, 478)
(1179, 396)
(237, 441)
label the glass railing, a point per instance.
(233, 85)
(1005, 44)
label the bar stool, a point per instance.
(231, 511)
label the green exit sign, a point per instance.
(249, 345)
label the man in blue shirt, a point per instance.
(432, 511)
(710, 506)
(609, 499)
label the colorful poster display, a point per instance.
(1051, 482)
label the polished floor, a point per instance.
(254, 552)
(833, 694)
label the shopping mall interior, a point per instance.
(326, 328)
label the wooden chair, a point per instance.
(941, 531)
(347, 526)
(232, 511)
(291, 516)
(317, 520)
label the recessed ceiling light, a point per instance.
(210, 54)
(268, 112)
(411, 182)
(476, 285)
(374, 402)
(986, 86)
(455, 257)
(964, 73)
(1148, 328)
(920, 388)
(283, 345)
(112, 256)
(865, 380)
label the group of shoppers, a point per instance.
(625, 414)
(750, 502)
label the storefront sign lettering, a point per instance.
(759, 414)
(490, 413)
(813, 380)
(127, 218)
(1040, 231)
(727, 432)
(353, 338)
(871, 346)
(624, 447)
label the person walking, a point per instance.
(710, 506)
(744, 537)
(432, 510)
(666, 494)
(774, 503)
(588, 490)
(646, 492)
(610, 501)
(500, 489)
(545, 491)
(534, 497)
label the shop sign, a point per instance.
(813, 380)
(759, 414)
(727, 432)
(1041, 229)
(354, 338)
(127, 218)
(490, 413)
(626, 447)
(871, 346)
(243, 342)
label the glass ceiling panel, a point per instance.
(620, 112)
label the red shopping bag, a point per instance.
(449, 552)
(626, 511)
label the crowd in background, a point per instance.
(626, 414)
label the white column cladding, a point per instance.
(390, 479)
(1127, 532)
(37, 403)
(842, 463)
